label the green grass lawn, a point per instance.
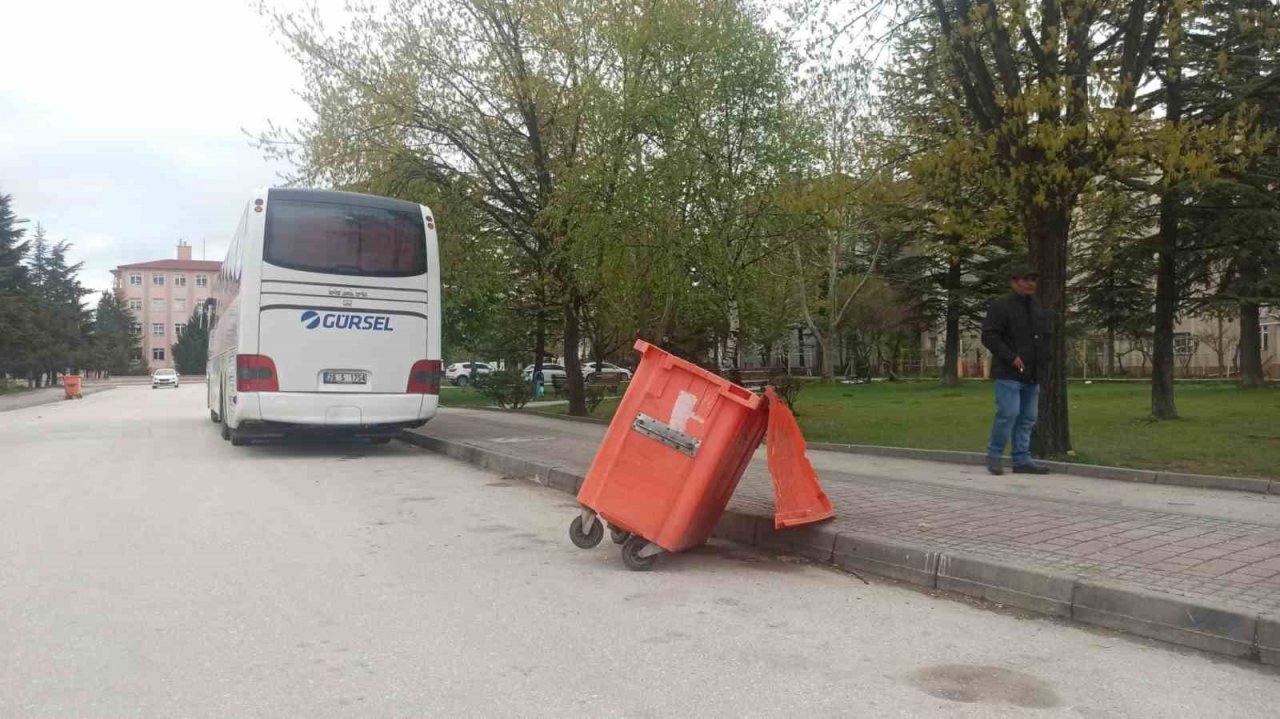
(1223, 430)
(462, 397)
(7, 387)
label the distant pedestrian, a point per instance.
(1016, 331)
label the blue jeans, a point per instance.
(1017, 405)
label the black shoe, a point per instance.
(995, 465)
(1031, 468)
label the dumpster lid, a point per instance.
(798, 497)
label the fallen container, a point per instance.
(674, 453)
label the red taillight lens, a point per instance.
(256, 373)
(424, 378)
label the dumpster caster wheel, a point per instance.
(586, 540)
(619, 536)
(633, 554)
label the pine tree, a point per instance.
(15, 309)
(191, 351)
(1234, 53)
(60, 321)
(113, 345)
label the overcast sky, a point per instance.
(121, 122)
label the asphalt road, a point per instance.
(149, 569)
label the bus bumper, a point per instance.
(334, 410)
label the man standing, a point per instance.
(1016, 331)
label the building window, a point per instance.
(117, 283)
(157, 305)
(1266, 339)
(135, 305)
(157, 280)
(1182, 343)
(180, 305)
(135, 279)
(202, 281)
(137, 328)
(178, 329)
(157, 329)
(157, 354)
(179, 280)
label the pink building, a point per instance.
(162, 295)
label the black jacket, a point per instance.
(1017, 327)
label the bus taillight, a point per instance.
(256, 373)
(424, 377)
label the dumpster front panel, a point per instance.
(674, 452)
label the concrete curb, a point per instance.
(1204, 626)
(1149, 476)
(538, 413)
(1256, 485)
(55, 398)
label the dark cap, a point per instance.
(1022, 270)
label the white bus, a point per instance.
(326, 317)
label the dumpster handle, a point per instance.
(666, 434)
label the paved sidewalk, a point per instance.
(48, 395)
(1208, 549)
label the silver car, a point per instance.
(164, 378)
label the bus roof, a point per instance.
(346, 198)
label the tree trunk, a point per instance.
(1048, 230)
(951, 360)
(1162, 358)
(733, 342)
(1162, 404)
(539, 340)
(1111, 351)
(1250, 346)
(572, 364)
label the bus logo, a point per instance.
(312, 319)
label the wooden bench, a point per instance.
(610, 381)
(754, 378)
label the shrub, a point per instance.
(506, 389)
(788, 388)
(595, 395)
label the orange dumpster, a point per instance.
(673, 455)
(71, 386)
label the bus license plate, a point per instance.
(346, 378)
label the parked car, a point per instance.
(164, 378)
(549, 373)
(459, 373)
(590, 369)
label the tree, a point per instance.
(60, 322)
(1112, 267)
(1220, 338)
(1233, 53)
(829, 253)
(15, 306)
(113, 346)
(562, 123)
(1026, 72)
(1051, 94)
(191, 351)
(962, 230)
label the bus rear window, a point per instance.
(339, 239)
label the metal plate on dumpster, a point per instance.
(664, 433)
